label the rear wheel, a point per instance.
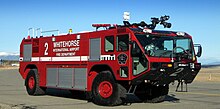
(32, 83)
(105, 91)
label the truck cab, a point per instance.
(168, 55)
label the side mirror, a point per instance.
(198, 48)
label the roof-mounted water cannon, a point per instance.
(154, 21)
(162, 20)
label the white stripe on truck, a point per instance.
(72, 58)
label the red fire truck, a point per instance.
(110, 63)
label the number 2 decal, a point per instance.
(46, 48)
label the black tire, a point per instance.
(105, 91)
(152, 94)
(32, 83)
(158, 94)
(156, 99)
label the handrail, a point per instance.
(49, 31)
(29, 29)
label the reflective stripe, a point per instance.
(35, 59)
(75, 58)
(45, 58)
(107, 57)
(84, 58)
(72, 58)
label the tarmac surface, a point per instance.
(200, 95)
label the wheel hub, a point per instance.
(31, 82)
(105, 89)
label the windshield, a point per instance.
(164, 46)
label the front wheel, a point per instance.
(105, 91)
(152, 94)
(32, 83)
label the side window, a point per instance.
(122, 42)
(109, 43)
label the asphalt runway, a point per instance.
(200, 95)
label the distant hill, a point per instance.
(210, 66)
(9, 56)
(210, 63)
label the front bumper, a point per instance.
(161, 75)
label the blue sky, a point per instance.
(199, 18)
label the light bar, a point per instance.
(101, 25)
(180, 34)
(145, 30)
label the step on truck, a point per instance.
(110, 62)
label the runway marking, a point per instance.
(194, 93)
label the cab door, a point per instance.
(123, 55)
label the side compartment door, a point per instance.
(27, 52)
(95, 49)
(68, 78)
